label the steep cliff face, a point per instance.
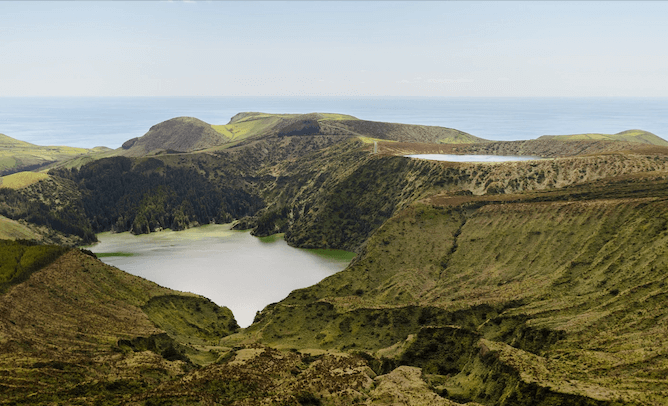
(51, 207)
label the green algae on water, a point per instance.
(340, 255)
(113, 254)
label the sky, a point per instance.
(330, 48)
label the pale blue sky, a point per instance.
(350, 48)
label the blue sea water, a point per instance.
(109, 121)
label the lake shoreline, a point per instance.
(232, 268)
(470, 158)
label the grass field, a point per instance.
(13, 230)
(21, 179)
(634, 136)
(113, 254)
(16, 154)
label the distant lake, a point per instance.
(232, 268)
(473, 158)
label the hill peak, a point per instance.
(180, 134)
(7, 141)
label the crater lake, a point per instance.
(232, 268)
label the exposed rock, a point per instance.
(130, 143)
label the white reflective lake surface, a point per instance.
(473, 158)
(232, 268)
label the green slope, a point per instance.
(520, 283)
(245, 125)
(74, 330)
(21, 179)
(180, 134)
(16, 155)
(6, 142)
(542, 297)
(633, 136)
(12, 230)
(79, 332)
(187, 134)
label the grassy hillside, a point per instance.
(244, 125)
(21, 179)
(16, 156)
(9, 142)
(337, 197)
(633, 136)
(73, 331)
(53, 206)
(79, 332)
(406, 132)
(520, 283)
(544, 295)
(19, 259)
(188, 134)
(12, 230)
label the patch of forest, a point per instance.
(144, 195)
(51, 203)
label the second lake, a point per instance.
(232, 268)
(473, 158)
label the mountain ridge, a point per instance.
(188, 134)
(526, 305)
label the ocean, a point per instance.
(109, 121)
